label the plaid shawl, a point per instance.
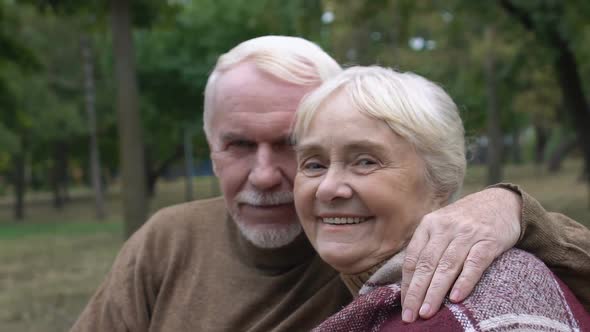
(517, 293)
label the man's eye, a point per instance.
(242, 144)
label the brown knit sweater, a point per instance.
(188, 269)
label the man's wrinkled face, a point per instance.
(251, 153)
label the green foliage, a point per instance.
(450, 49)
(12, 53)
(177, 43)
(44, 104)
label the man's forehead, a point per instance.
(241, 123)
(246, 80)
(240, 75)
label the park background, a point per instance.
(101, 113)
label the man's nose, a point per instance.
(266, 172)
(333, 186)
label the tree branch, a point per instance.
(159, 169)
(519, 14)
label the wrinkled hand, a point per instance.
(464, 237)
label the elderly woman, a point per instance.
(376, 151)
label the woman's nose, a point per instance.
(333, 186)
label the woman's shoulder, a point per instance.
(516, 279)
(515, 264)
(518, 289)
(511, 273)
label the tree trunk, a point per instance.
(90, 93)
(131, 147)
(188, 164)
(154, 172)
(516, 148)
(494, 130)
(542, 137)
(19, 184)
(566, 68)
(59, 174)
(558, 155)
(575, 102)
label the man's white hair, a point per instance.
(291, 59)
(415, 108)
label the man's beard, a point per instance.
(266, 236)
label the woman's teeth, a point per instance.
(343, 220)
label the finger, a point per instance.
(425, 267)
(413, 250)
(480, 257)
(445, 275)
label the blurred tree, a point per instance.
(495, 137)
(131, 146)
(130, 131)
(538, 97)
(42, 116)
(551, 22)
(14, 56)
(86, 44)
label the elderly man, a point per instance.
(241, 263)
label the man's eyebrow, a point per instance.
(232, 136)
(228, 137)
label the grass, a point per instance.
(561, 192)
(47, 274)
(22, 231)
(53, 261)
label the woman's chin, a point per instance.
(345, 258)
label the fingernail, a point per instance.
(455, 295)
(424, 309)
(407, 316)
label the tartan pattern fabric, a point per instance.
(517, 293)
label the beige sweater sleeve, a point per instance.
(560, 242)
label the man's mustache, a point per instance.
(252, 197)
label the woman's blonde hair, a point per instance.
(413, 107)
(291, 59)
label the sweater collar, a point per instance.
(270, 261)
(387, 272)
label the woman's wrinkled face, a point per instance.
(360, 189)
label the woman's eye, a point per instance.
(366, 162)
(312, 167)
